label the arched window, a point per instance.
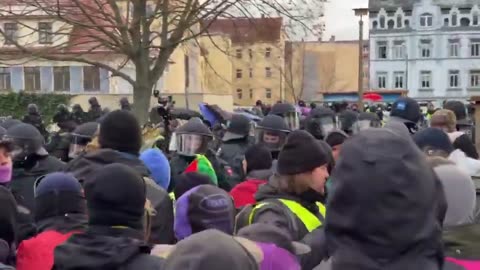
(475, 18)
(454, 19)
(399, 21)
(391, 24)
(426, 20)
(465, 22)
(382, 21)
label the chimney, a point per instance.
(332, 38)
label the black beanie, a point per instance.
(302, 153)
(336, 137)
(258, 157)
(116, 196)
(120, 131)
(187, 181)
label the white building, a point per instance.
(429, 47)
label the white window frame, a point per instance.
(475, 49)
(426, 79)
(453, 49)
(399, 80)
(426, 20)
(474, 76)
(454, 76)
(424, 48)
(382, 45)
(398, 51)
(382, 80)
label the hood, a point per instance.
(462, 242)
(469, 165)
(260, 174)
(83, 166)
(40, 165)
(63, 224)
(95, 251)
(387, 207)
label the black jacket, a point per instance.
(106, 249)
(84, 166)
(233, 153)
(464, 143)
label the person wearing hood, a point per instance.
(258, 168)
(447, 121)
(293, 198)
(232, 151)
(60, 211)
(8, 229)
(120, 141)
(387, 209)
(407, 111)
(116, 233)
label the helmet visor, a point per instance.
(78, 145)
(192, 144)
(272, 139)
(292, 119)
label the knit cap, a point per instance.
(258, 157)
(158, 166)
(433, 139)
(120, 131)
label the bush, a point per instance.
(15, 104)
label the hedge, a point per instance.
(15, 104)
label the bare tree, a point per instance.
(142, 33)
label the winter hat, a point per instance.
(116, 196)
(202, 165)
(214, 250)
(302, 153)
(57, 194)
(120, 131)
(258, 157)
(187, 181)
(336, 137)
(201, 208)
(461, 195)
(433, 139)
(158, 166)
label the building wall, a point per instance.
(415, 36)
(216, 64)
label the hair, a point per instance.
(445, 118)
(436, 161)
(293, 184)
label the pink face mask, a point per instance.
(5, 173)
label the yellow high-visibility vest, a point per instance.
(310, 221)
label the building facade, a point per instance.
(429, 47)
(256, 57)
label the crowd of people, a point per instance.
(315, 189)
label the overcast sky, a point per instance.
(341, 21)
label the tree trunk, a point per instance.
(141, 102)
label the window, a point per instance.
(5, 78)
(382, 50)
(454, 19)
(375, 25)
(475, 48)
(475, 78)
(61, 79)
(398, 50)
(464, 22)
(268, 72)
(239, 93)
(399, 79)
(399, 21)
(10, 33)
(268, 93)
(391, 24)
(250, 72)
(250, 93)
(426, 20)
(91, 78)
(268, 52)
(239, 73)
(45, 35)
(32, 78)
(453, 48)
(453, 78)
(382, 80)
(382, 22)
(425, 79)
(475, 19)
(446, 22)
(239, 53)
(250, 53)
(425, 48)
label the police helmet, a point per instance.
(32, 109)
(193, 138)
(289, 113)
(26, 141)
(320, 122)
(81, 136)
(366, 120)
(272, 132)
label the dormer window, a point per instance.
(475, 18)
(399, 21)
(45, 35)
(426, 20)
(454, 19)
(382, 22)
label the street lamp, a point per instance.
(360, 12)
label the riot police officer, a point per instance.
(30, 161)
(95, 111)
(272, 132)
(289, 114)
(320, 122)
(191, 139)
(366, 120)
(80, 137)
(60, 141)
(235, 143)
(78, 115)
(34, 118)
(346, 121)
(125, 104)
(62, 115)
(407, 111)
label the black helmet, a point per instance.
(62, 108)
(366, 120)
(289, 113)
(320, 122)
(77, 108)
(81, 136)
(238, 127)
(8, 123)
(32, 109)
(347, 120)
(407, 109)
(93, 101)
(26, 140)
(272, 132)
(192, 138)
(458, 108)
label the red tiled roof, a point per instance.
(247, 30)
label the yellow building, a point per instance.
(314, 69)
(257, 58)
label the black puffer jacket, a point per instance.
(85, 166)
(106, 249)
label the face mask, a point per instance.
(5, 173)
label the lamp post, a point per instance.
(360, 12)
